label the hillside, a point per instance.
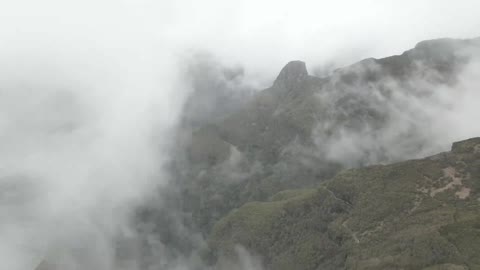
(417, 214)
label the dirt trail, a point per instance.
(457, 180)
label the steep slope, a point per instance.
(417, 214)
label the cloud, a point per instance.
(395, 119)
(89, 102)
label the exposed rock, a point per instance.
(290, 75)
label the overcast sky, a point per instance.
(261, 35)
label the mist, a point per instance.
(421, 116)
(92, 92)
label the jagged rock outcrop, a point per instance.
(293, 73)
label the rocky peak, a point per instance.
(292, 73)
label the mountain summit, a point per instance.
(292, 73)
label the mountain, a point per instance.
(310, 173)
(352, 98)
(303, 129)
(416, 214)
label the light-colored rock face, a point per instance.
(454, 182)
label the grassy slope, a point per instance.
(398, 216)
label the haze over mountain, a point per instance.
(299, 133)
(245, 176)
(144, 135)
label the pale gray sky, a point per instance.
(261, 35)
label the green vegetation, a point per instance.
(399, 216)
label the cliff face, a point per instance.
(417, 214)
